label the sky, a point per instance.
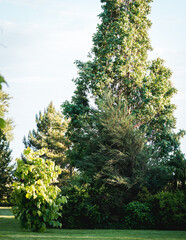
(41, 39)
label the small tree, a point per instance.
(5, 169)
(35, 198)
(50, 135)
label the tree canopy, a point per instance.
(119, 62)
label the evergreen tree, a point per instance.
(112, 148)
(121, 144)
(115, 154)
(50, 135)
(5, 169)
(6, 127)
(119, 62)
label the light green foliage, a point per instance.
(50, 135)
(35, 197)
(2, 123)
(5, 123)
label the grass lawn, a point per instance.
(10, 229)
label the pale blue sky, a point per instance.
(41, 39)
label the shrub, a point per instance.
(35, 198)
(80, 211)
(138, 216)
(169, 210)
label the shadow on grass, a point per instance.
(10, 229)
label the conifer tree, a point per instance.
(118, 62)
(115, 148)
(50, 135)
(6, 127)
(5, 168)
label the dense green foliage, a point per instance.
(50, 135)
(81, 210)
(6, 127)
(5, 169)
(119, 63)
(91, 206)
(36, 201)
(138, 216)
(117, 136)
(113, 152)
(94, 207)
(169, 210)
(122, 127)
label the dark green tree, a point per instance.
(113, 147)
(50, 135)
(6, 127)
(119, 63)
(5, 169)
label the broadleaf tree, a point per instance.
(6, 123)
(36, 200)
(119, 62)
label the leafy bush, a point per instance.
(90, 205)
(138, 216)
(169, 210)
(80, 211)
(36, 200)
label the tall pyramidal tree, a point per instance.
(50, 135)
(5, 169)
(118, 63)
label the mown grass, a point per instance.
(10, 229)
